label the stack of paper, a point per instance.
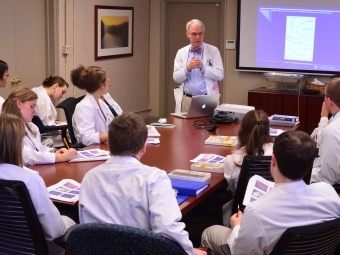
(189, 175)
(224, 140)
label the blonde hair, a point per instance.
(12, 132)
(21, 94)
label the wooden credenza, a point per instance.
(306, 106)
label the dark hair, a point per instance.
(127, 134)
(295, 152)
(333, 90)
(89, 78)
(254, 132)
(51, 80)
(21, 94)
(3, 68)
(12, 132)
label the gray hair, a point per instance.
(196, 22)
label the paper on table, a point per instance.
(213, 158)
(276, 132)
(152, 131)
(153, 140)
(91, 155)
(67, 191)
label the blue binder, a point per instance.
(180, 199)
(189, 188)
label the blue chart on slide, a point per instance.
(299, 43)
(297, 38)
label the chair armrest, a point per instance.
(61, 240)
(225, 249)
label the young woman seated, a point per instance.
(12, 132)
(53, 87)
(95, 112)
(21, 103)
(254, 139)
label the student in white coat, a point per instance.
(21, 102)
(53, 87)
(124, 191)
(12, 132)
(3, 78)
(94, 113)
(197, 67)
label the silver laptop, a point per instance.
(203, 105)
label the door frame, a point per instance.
(163, 97)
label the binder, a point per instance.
(188, 188)
(180, 199)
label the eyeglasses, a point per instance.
(196, 34)
(328, 97)
(6, 74)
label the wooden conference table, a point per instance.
(177, 147)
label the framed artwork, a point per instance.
(113, 31)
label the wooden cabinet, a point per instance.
(306, 106)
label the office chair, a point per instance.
(20, 229)
(69, 105)
(317, 239)
(106, 238)
(336, 186)
(251, 165)
(46, 129)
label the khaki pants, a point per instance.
(185, 103)
(214, 236)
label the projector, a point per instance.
(233, 110)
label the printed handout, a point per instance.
(211, 158)
(256, 188)
(65, 191)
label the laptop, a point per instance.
(200, 106)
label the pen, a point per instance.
(66, 143)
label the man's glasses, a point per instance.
(328, 97)
(6, 74)
(196, 34)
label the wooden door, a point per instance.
(178, 14)
(22, 26)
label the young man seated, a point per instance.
(124, 191)
(291, 203)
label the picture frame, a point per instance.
(113, 31)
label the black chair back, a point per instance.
(251, 165)
(20, 229)
(318, 239)
(69, 105)
(106, 238)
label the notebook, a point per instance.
(203, 105)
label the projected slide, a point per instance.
(299, 43)
(297, 39)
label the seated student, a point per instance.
(21, 102)
(254, 139)
(53, 87)
(12, 132)
(327, 166)
(92, 114)
(124, 191)
(291, 203)
(3, 78)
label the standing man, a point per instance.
(198, 67)
(327, 165)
